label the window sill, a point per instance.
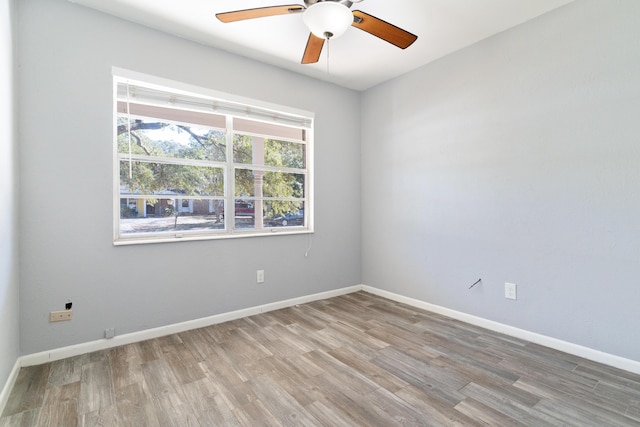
(143, 240)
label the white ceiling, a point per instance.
(357, 60)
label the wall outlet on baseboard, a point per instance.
(260, 276)
(510, 290)
(61, 315)
(109, 333)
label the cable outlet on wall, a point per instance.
(260, 276)
(510, 290)
(61, 315)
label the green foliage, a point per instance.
(242, 149)
(284, 153)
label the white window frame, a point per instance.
(199, 99)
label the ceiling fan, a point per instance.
(327, 19)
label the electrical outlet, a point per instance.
(260, 276)
(59, 316)
(109, 333)
(510, 290)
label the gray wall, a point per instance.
(65, 122)
(515, 160)
(9, 307)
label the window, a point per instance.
(192, 164)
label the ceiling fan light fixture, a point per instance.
(328, 19)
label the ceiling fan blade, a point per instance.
(382, 29)
(313, 49)
(259, 12)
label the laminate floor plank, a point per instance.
(534, 369)
(199, 343)
(327, 416)
(429, 386)
(484, 414)
(352, 409)
(26, 418)
(386, 404)
(470, 373)
(353, 360)
(281, 404)
(29, 389)
(296, 344)
(104, 416)
(608, 373)
(255, 413)
(61, 414)
(149, 350)
(448, 380)
(65, 371)
(477, 361)
(228, 383)
(347, 335)
(501, 402)
(582, 415)
(218, 414)
(454, 348)
(589, 401)
(56, 394)
(633, 411)
(159, 377)
(536, 361)
(365, 367)
(296, 381)
(173, 411)
(184, 366)
(125, 371)
(96, 387)
(135, 406)
(440, 412)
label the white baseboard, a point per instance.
(75, 350)
(102, 344)
(8, 386)
(567, 347)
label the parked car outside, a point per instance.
(291, 218)
(241, 208)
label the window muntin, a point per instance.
(179, 169)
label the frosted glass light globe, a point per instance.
(328, 19)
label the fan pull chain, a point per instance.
(328, 38)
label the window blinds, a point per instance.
(211, 110)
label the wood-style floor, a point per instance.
(352, 360)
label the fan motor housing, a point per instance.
(347, 3)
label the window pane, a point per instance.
(147, 215)
(242, 149)
(257, 183)
(154, 137)
(154, 178)
(283, 153)
(283, 213)
(280, 184)
(245, 213)
(245, 183)
(274, 152)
